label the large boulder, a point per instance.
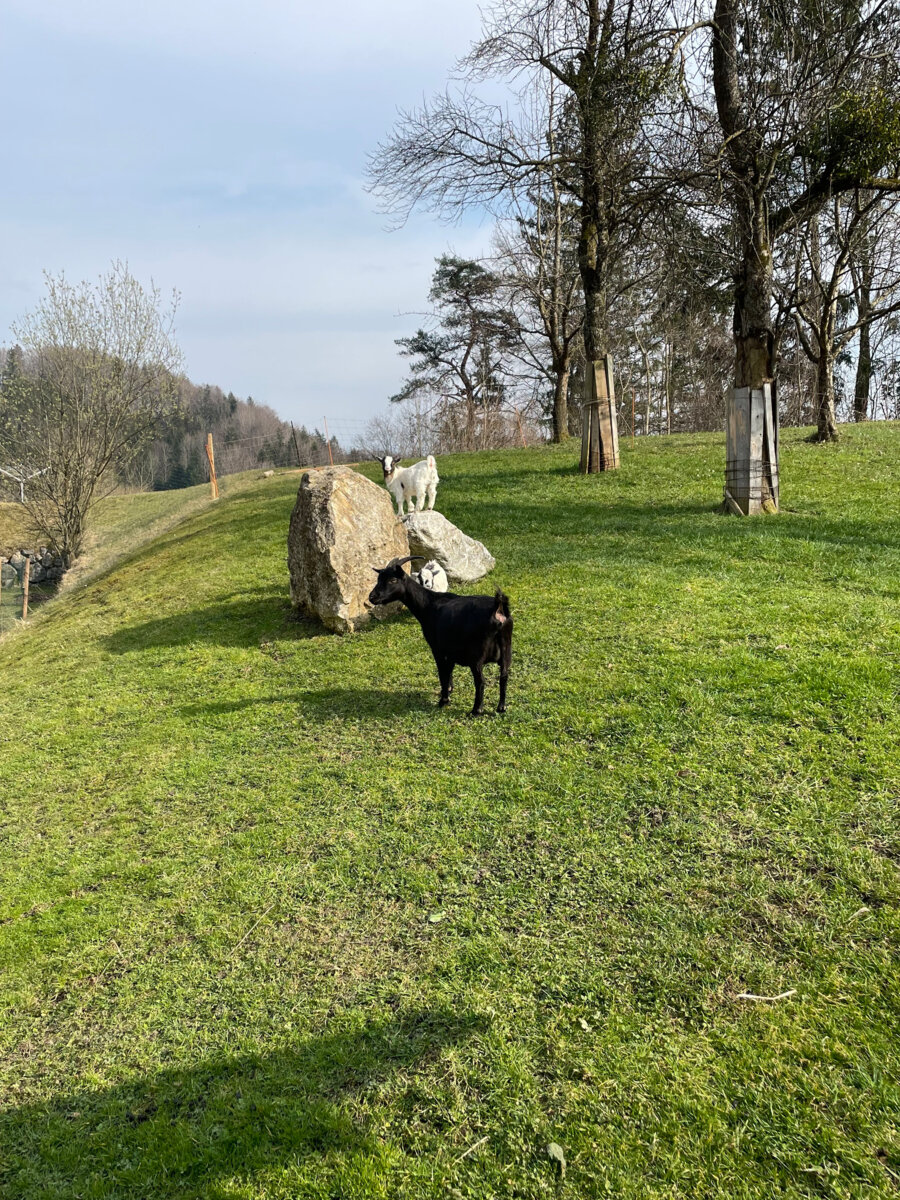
(341, 527)
(433, 536)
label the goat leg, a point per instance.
(445, 674)
(478, 677)
(501, 707)
(505, 659)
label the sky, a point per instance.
(220, 149)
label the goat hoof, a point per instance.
(501, 708)
(477, 712)
(443, 702)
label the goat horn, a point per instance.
(401, 562)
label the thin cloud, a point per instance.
(220, 151)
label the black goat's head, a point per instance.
(390, 585)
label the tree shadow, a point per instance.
(188, 1132)
(255, 615)
(332, 702)
(653, 528)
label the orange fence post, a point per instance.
(25, 592)
(328, 441)
(521, 434)
(213, 482)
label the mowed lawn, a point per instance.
(273, 925)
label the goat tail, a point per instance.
(501, 603)
(431, 462)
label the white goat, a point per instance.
(419, 480)
(433, 577)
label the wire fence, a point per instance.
(25, 584)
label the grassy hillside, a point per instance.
(119, 525)
(273, 925)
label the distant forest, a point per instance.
(246, 435)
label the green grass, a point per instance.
(119, 525)
(273, 925)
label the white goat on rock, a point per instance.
(419, 480)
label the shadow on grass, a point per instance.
(528, 529)
(191, 1132)
(333, 702)
(555, 530)
(239, 619)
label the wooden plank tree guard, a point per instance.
(751, 464)
(600, 428)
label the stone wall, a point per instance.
(46, 567)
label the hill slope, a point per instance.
(274, 926)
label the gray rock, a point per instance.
(9, 576)
(433, 536)
(341, 527)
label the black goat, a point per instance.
(466, 631)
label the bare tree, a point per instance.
(613, 61)
(536, 252)
(874, 264)
(100, 365)
(806, 110)
(841, 298)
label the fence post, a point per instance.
(213, 482)
(521, 434)
(25, 592)
(296, 447)
(328, 442)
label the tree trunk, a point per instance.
(561, 405)
(863, 375)
(752, 463)
(593, 264)
(826, 420)
(648, 397)
(753, 459)
(470, 421)
(754, 339)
